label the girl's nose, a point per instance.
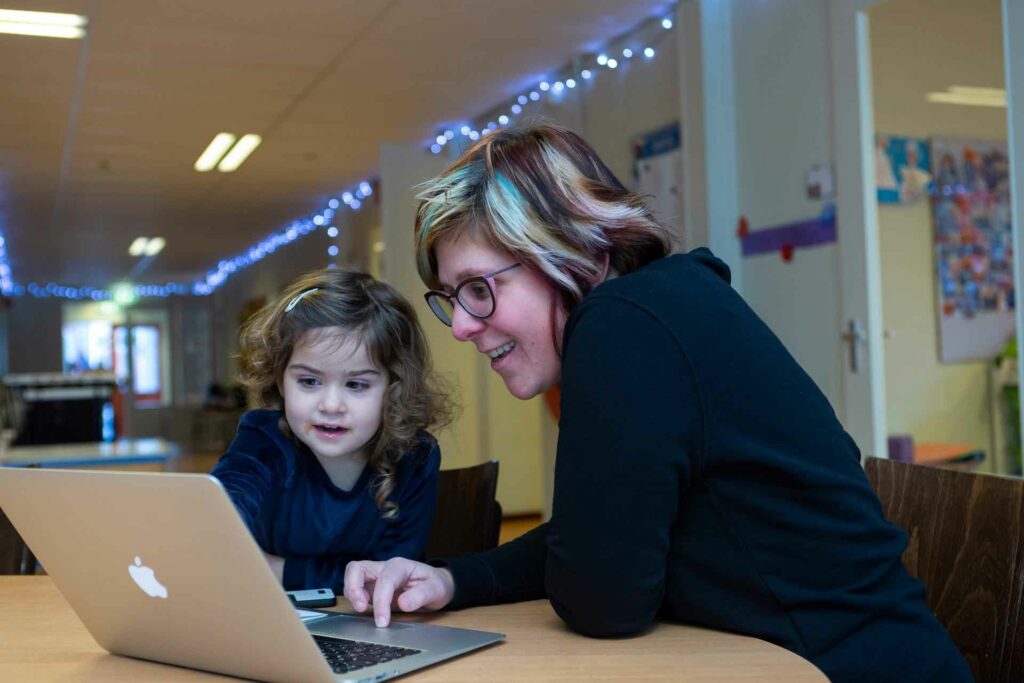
(331, 400)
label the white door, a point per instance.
(859, 295)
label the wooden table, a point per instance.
(41, 640)
(120, 452)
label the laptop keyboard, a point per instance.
(348, 655)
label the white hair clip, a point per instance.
(295, 302)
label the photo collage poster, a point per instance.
(973, 247)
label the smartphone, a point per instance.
(314, 597)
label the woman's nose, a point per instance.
(464, 325)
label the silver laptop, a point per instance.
(161, 567)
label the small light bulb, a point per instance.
(473, 135)
(534, 95)
(332, 250)
(449, 134)
(522, 99)
(544, 85)
(332, 231)
(648, 52)
(627, 53)
(465, 130)
(503, 120)
(570, 82)
(612, 63)
(334, 203)
(516, 109)
(586, 74)
(666, 23)
(435, 148)
(602, 59)
(440, 139)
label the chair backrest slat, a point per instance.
(467, 517)
(967, 547)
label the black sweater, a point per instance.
(702, 475)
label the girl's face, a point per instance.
(518, 337)
(333, 395)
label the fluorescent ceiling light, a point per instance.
(969, 96)
(220, 144)
(155, 245)
(239, 153)
(138, 246)
(46, 24)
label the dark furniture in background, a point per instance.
(59, 408)
(467, 518)
(15, 557)
(967, 547)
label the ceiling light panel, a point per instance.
(239, 153)
(220, 144)
(43, 24)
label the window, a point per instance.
(145, 360)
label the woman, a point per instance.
(701, 475)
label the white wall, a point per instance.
(919, 46)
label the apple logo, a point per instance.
(143, 576)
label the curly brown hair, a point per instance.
(415, 399)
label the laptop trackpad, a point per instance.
(356, 628)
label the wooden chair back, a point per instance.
(15, 557)
(467, 518)
(967, 547)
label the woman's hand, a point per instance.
(409, 585)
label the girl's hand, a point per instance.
(409, 585)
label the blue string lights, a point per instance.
(638, 42)
(351, 198)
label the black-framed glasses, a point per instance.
(474, 294)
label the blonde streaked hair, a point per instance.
(542, 194)
(368, 311)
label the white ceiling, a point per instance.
(98, 136)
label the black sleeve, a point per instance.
(630, 431)
(250, 471)
(511, 572)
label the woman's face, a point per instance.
(518, 337)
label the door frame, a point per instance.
(860, 280)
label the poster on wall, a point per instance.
(658, 169)
(902, 169)
(973, 248)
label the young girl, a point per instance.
(335, 464)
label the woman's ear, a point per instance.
(603, 268)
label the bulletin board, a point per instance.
(973, 248)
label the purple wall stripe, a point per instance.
(804, 234)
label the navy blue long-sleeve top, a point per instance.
(293, 510)
(702, 475)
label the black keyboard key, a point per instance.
(348, 655)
